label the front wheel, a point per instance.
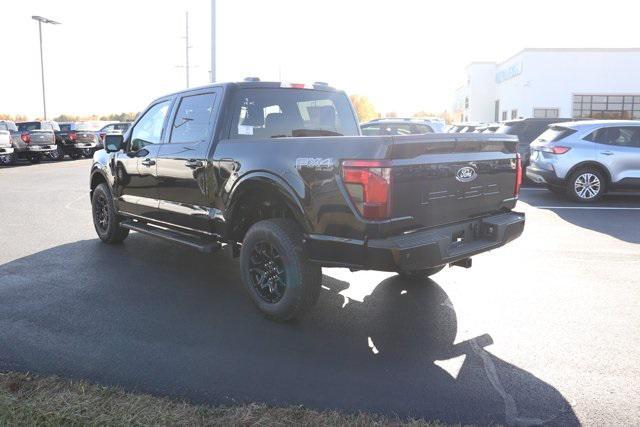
(586, 185)
(106, 220)
(275, 271)
(415, 275)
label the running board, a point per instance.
(195, 242)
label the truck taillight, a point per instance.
(72, 135)
(25, 137)
(516, 190)
(369, 185)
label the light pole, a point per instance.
(41, 21)
(213, 41)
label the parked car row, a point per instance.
(36, 140)
(403, 126)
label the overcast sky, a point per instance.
(115, 56)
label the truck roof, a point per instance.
(251, 84)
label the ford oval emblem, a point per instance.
(466, 174)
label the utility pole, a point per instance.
(213, 41)
(42, 20)
(186, 47)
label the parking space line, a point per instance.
(603, 208)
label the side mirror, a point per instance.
(113, 143)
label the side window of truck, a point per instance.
(149, 129)
(194, 120)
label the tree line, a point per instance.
(114, 117)
(367, 111)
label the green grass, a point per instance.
(50, 401)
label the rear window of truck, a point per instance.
(278, 113)
(27, 126)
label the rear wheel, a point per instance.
(106, 220)
(586, 185)
(414, 275)
(276, 273)
(87, 153)
(57, 154)
(8, 159)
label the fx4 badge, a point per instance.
(314, 163)
(466, 174)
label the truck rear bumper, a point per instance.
(419, 249)
(41, 148)
(6, 150)
(87, 145)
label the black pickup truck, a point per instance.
(280, 174)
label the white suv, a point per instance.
(585, 159)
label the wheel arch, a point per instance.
(592, 164)
(97, 178)
(253, 191)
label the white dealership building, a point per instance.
(597, 83)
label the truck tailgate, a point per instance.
(86, 137)
(42, 137)
(438, 179)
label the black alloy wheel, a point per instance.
(268, 274)
(101, 212)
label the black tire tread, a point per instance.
(289, 235)
(115, 234)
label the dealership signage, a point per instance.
(510, 72)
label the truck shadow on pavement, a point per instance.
(156, 318)
(618, 223)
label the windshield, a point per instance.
(277, 113)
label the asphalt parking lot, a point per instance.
(544, 330)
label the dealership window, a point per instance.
(514, 114)
(546, 113)
(606, 106)
(504, 115)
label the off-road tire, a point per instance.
(303, 278)
(111, 232)
(57, 155)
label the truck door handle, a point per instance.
(607, 153)
(193, 164)
(148, 162)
